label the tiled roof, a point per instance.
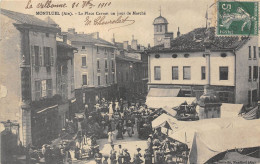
(126, 58)
(25, 18)
(62, 44)
(87, 38)
(194, 41)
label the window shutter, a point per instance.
(44, 56)
(32, 55)
(40, 56)
(52, 57)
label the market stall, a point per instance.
(207, 144)
(161, 97)
(231, 110)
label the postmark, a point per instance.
(236, 18)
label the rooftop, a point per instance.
(160, 20)
(87, 38)
(64, 45)
(195, 41)
(127, 58)
(26, 19)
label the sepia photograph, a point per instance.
(129, 82)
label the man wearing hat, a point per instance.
(137, 157)
(127, 157)
(120, 154)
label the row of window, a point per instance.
(84, 63)
(223, 73)
(39, 59)
(249, 53)
(43, 89)
(85, 79)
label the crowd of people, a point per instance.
(114, 121)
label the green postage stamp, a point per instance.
(237, 18)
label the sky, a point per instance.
(185, 14)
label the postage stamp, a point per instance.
(236, 18)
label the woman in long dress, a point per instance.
(110, 137)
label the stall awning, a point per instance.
(162, 120)
(170, 102)
(163, 92)
(207, 144)
(230, 110)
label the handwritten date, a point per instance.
(89, 4)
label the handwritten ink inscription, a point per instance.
(51, 4)
(96, 18)
(102, 20)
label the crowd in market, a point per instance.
(114, 121)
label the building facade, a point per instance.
(130, 71)
(129, 80)
(94, 69)
(229, 66)
(65, 81)
(29, 75)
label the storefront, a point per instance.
(45, 125)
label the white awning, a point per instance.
(163, 92)
(162, 119)
(230, 110)
(207, 144)
(170, 102)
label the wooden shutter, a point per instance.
(52, 57)
(40, 56)
(44, 56)
(32, 55)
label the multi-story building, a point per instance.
(65, 80)
(129, 69)
(229, 66)
(28, 74)
(94, 68)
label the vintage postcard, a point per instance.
(129, 81)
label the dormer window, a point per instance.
(223, 55)
(186, 55)
(157, 56)
(83, 47)
(174, 56)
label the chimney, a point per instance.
(149, 46)
(134, 43)
(95, 35)
(167, 42)
(125, 45)
(178, 33)
(65, 38)
(71, 30)
(113, 39)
